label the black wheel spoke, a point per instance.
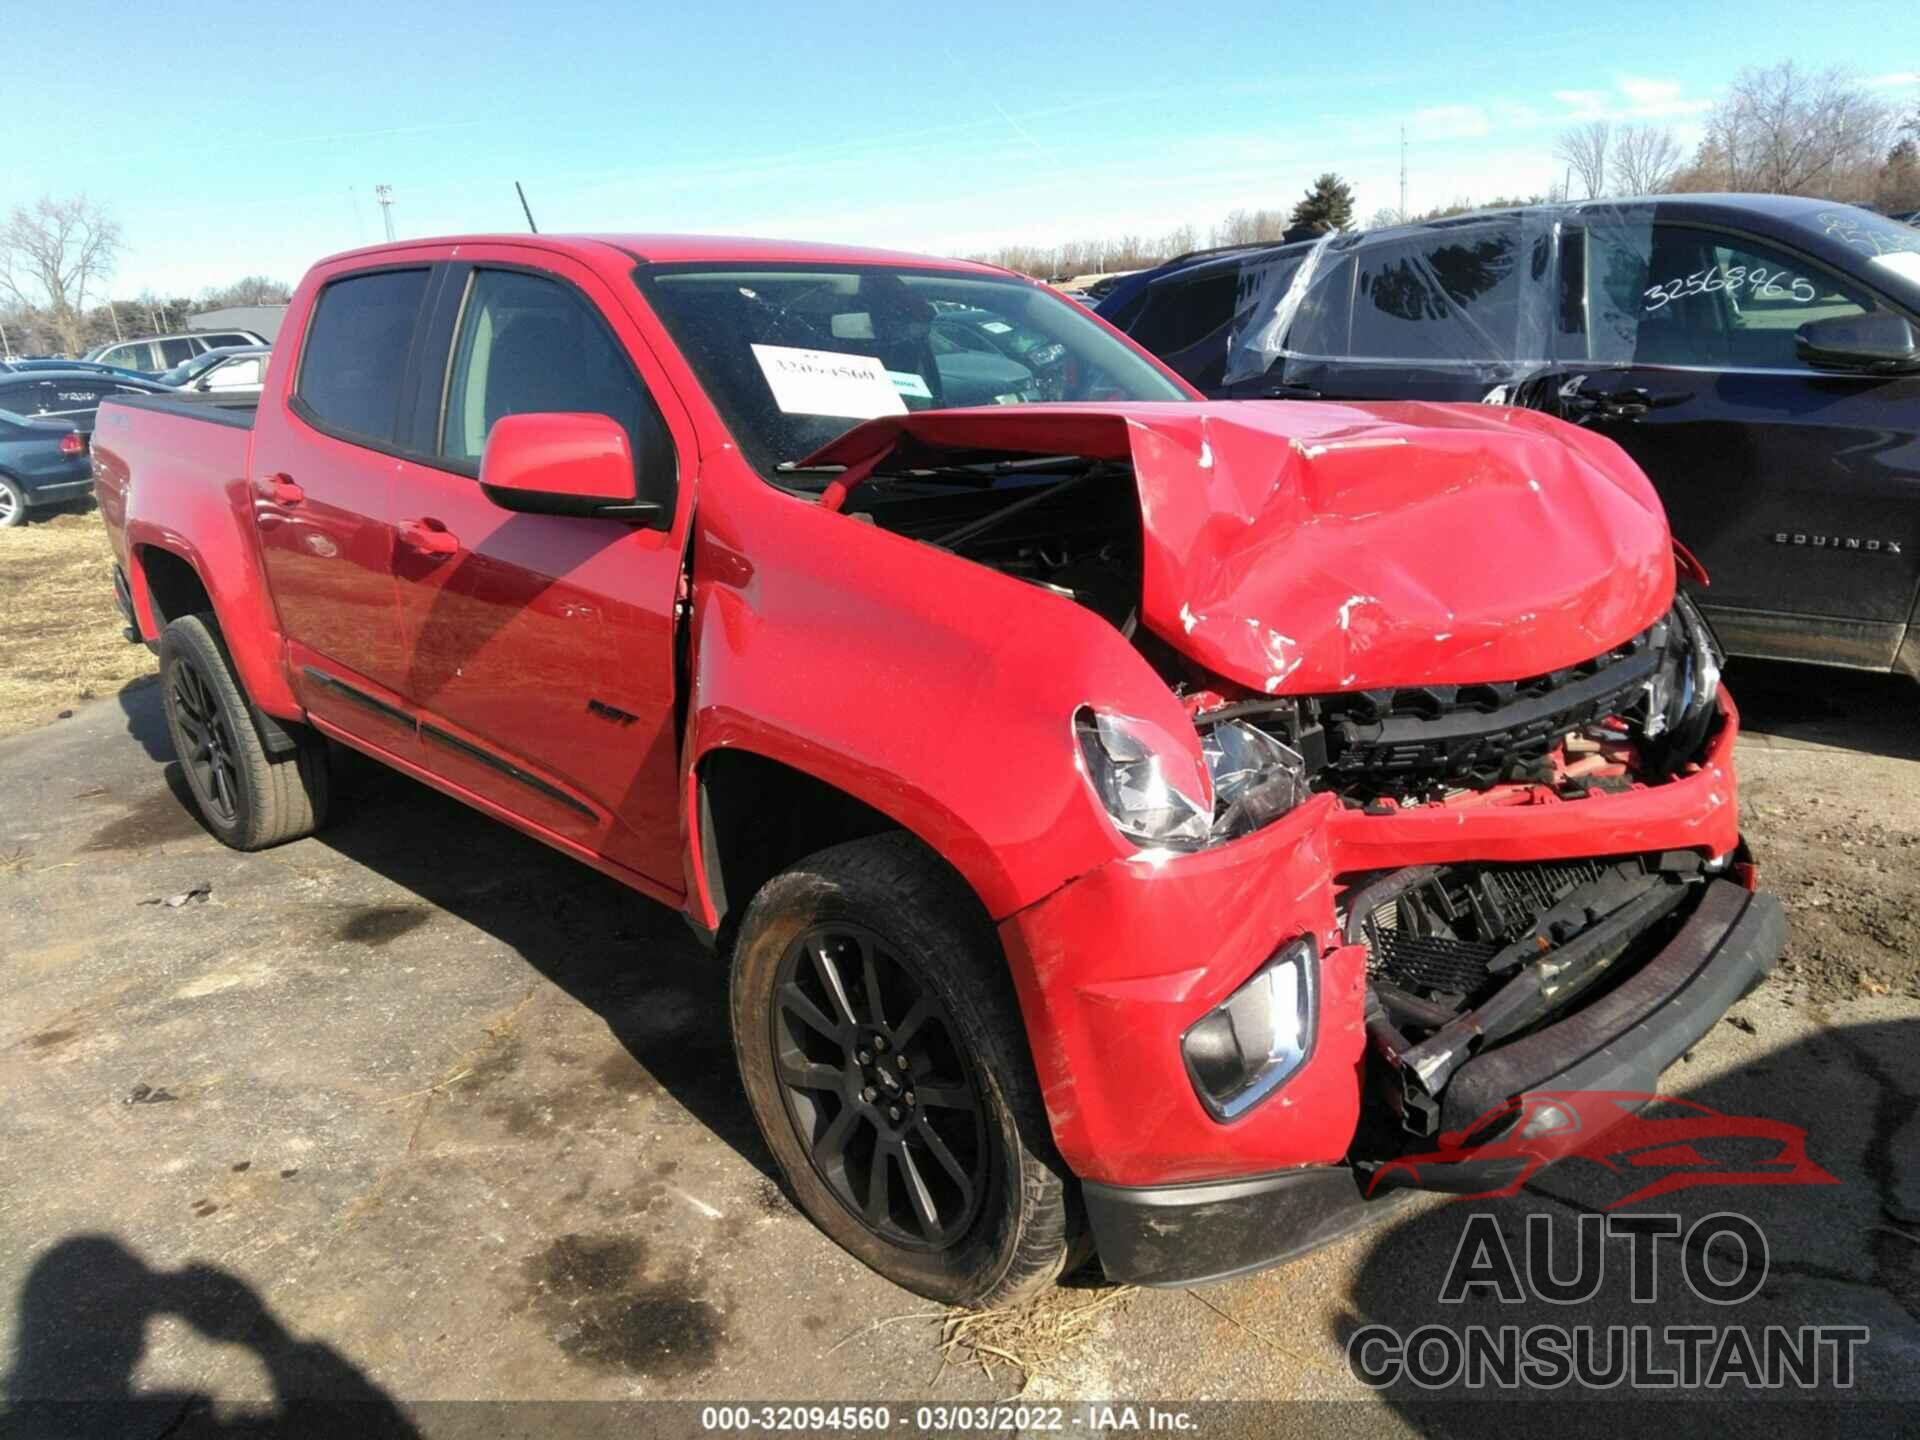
(870, 981)
(795, 1002)
(944, 1097)
(925, 1215)
(833, 1143)
(878, 1204)
(810, 1075)
(917, 1015)
(939, 1150)
(829, 973)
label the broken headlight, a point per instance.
(1256, 779)
(1153, 792)
(1242, 1050)
(1680, 695)
(1155, 795)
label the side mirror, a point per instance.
(203, 385)
(1878, 343)
(564, 465)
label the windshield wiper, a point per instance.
(980, 474)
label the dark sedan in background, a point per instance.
(69, 395)
(42, 462)
(1757, 355)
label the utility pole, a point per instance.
(383, 194)
(1403, 173)
(114, 311)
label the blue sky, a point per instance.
(237, 140)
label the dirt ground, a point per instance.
(420, 1112)
(60, 645)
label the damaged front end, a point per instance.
(1464, 957)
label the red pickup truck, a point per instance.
(1129, 820)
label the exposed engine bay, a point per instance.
(1636, 714)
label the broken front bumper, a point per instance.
(1180, 1234)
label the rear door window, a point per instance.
(356, 352)
(1451, 296)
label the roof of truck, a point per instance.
(676, 249)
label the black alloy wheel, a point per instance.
(210, 756)
(878, 1087)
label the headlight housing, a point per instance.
(1152, 791)
(1244, 1049)
(1156, 795)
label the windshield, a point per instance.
(794, 356)
(190, 370)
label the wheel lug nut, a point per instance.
(902, 1061)
(869, 1094)
(864, 1058)
(893, 1112)
(880, 1042)
(908, 1097)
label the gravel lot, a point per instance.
(422, 1112)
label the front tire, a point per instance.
(882, 1050)
(248, 798)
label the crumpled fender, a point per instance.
(934, 690)
(1302, 548)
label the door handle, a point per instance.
(1629, 402)
(280, 489)
(427, 537)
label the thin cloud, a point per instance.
(1449, 122)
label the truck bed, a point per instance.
(235, 410)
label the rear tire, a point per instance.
(13, 504)
(939, 1172)
(248, 798)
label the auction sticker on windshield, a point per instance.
(821, 382)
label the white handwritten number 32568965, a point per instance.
(1759, 282)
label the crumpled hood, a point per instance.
(1301, 548)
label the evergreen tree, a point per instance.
(1328, 205)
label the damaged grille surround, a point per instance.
(1466, 956)
(1423, 742)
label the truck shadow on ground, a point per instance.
(1846, 1253)
(630, 960)
(83, 1315)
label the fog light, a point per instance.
(1241, 1051)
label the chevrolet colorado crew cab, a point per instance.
(1131, 821)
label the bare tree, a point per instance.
(1789, 131)
(251, 290)
(1645, 158)
(58, 248)
(1250, 227)
(1583, 149)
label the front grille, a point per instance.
(1418, 738)
(1432, 963)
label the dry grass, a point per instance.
(1033, 1340)
(60, 642)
